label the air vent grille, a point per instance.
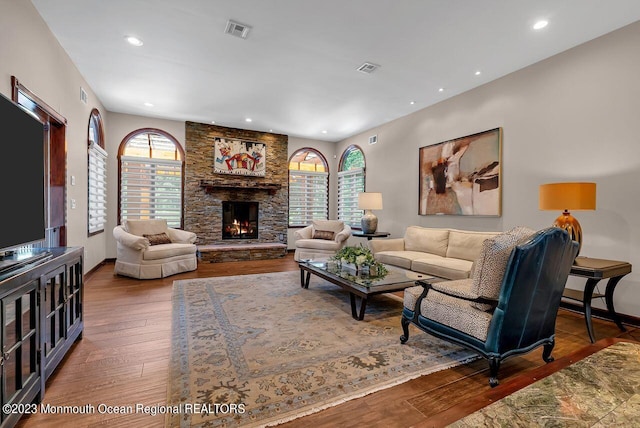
(83, 95)
(368, 67)
(237, 29)
(373, 139)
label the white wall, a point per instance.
(29, 52)
(573, 117)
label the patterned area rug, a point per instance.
(602, 390)
(258, 350)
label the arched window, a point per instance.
(350, 183)
(97, 204)
(308, 187)
(151, 164)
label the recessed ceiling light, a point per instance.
(540, 24)
(148, 104)
(478, 73)
(134, 41)
(271, 130)
(412, 102)
(213, 122)
(441, 90)
(248, 119)
(324, 131)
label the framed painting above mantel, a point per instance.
(238, 157)
(462, 176)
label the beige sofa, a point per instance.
(149, 249)
(446, 253)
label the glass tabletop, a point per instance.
(363, 278)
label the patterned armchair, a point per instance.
(510, 304)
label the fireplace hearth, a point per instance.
(239, 220)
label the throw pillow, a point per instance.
(158, 238)
(492, 263)
(323, 234)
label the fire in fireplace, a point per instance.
(239, 220)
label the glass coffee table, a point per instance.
(360, 284)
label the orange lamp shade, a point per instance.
(567, 196)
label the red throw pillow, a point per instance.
(159, 238)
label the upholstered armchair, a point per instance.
(321, 239)
(149, 249)
(510, 304)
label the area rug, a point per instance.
(258, 350)
(602, 390)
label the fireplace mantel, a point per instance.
(209, 185)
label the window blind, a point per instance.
(350, 183)
(151, 188)
(97, 188)
(308, 197)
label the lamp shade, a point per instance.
(567, 196)
(370, 201)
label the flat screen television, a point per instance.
(22, 175)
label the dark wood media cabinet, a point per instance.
(41, 318)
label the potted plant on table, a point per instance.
(359, 257)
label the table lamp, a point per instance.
(568, 196)
(369, 201)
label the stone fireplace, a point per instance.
(239, 220)
(206, 192)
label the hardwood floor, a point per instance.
(124, 355)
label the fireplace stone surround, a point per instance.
(205, 192)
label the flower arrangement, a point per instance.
(359, 256)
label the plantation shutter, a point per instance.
(97, 188)
(308, 199)
(151, 188)
(350, 183)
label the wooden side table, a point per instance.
(595, 270)
(369, 236)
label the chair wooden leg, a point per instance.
(494, 365)
(405, 330)
(546, 353)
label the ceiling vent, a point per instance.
(237, 29)
(368, 68)
(373, 139)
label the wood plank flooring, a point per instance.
(124, 355)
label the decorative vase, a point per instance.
(373, 270)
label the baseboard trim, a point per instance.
(601, 313)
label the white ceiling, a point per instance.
(296, 72)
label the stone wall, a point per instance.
(203, 204)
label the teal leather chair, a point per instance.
(520, 318)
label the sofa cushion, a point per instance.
(492, 263)
(442, 267)
(146, 227)
(427, 240)
(401, 259)
(334, 226)
(163, 251)
(465, 244)
(158, 238)
(317, 244)
(456, 313)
